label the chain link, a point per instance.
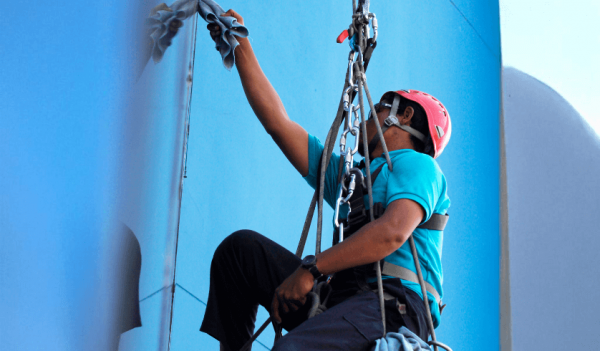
(360, 26)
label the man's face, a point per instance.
(382, 113)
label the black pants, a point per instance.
(247, 268)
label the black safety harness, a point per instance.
(360, 216)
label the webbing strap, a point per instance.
(435, 222)
(386, 295)
(406, 274)
(376, 173)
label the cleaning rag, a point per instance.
(403, 340)
(211, 12)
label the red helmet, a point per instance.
(438, 118)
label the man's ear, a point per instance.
(407, 116)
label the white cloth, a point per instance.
(211, 12)
(403, 340)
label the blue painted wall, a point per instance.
(238, 178)
(84, 148)
(61, 78)
(83, 151)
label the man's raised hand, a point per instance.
(215, 30)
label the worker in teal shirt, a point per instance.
(415, 176)
(248, 269)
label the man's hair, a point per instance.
(418, 122)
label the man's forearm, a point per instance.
(261, 95)
(375, 240)
(370, 244)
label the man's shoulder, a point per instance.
(408, 160)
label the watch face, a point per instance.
(309, 260)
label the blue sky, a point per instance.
(558, 43)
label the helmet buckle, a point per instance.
(390, 121)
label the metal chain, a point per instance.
(359, 33)
(352, 127)
(360, 27)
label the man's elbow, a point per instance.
(276, 129)
(395, 238)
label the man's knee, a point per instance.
(238, 239)
(235, 243)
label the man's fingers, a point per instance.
(215, 31)
(297, 303)
(229, 13)
(294, 305)
(283, 304)
(275, 309)
(175, 25)
(235, 15)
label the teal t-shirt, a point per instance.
(415, 176)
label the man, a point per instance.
(248, 269)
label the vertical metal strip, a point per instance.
(190, 81)
(505, 304)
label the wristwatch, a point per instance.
(310, 263)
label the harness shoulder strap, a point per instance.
(436, 222)
(376, 173)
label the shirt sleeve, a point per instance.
(415, 177)
(315, 149)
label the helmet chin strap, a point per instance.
(392, 120)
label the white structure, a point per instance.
(550, 245)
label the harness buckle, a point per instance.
(401, 307)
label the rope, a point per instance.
(377, 125)
(248, 344)
(413, 248)
(327, 151)
(307, 222)
(370, 193)
(154, 293)
(437, 343)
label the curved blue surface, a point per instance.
(61, 81)
(84, 149)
